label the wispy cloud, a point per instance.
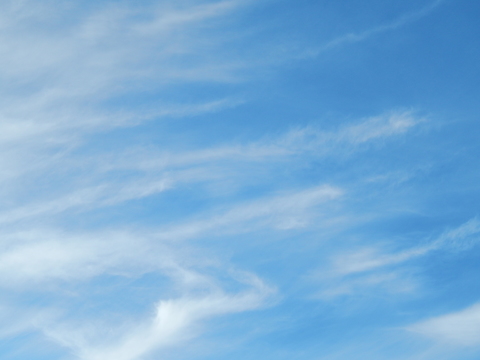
(462, 237)
(154, 170)
(371, 266)
(60, 64)
(40, 255)
(37, 260)
(64, 66)
(67, 76)
(173, 320)
(366, 34)
(381, 282)
(281, 212)
(31, 259)
(460, 328)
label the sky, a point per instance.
(239, 179)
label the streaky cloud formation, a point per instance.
(460, 328)
(363, 35)
(173, 322)
(375, 266)
(203, 179)
(463, 237)
(177, 168)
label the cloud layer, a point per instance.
(167, 178)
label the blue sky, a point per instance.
(233, 179)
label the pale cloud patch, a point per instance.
(58, 73)
(31, 258)
(460, 328)
(369, 267)
(391, 282)
(370, 259)
(462, 237)
(173, 321)
(154, 171)
(40, 255)
(352, 135)
(41, 261)
(290, 211)
(61, 61)
(355, 37)
(366, 259)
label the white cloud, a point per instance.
(462, 237)
(289, 211)
(380, 126)
(32, 258)
(390, 282)
(353, 271)
(366, 34)
(174, 320)
(460, 328)
(352, 135)
(367, 259)
(154, 171)
(36, 262)
(38, 255)
(63, 60)
(370, 259)
(60, 61)
(59, 67)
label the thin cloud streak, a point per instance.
(461, 328)
(174, 321)
(101, 252)
(364, 35)
(41, 255)
(353, 272)
(460, 238)
(157, 172)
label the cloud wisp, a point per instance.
(157, 171)
(373, 266)
(461, 328)
(355, 37)
(42, 257)
(130, 221)
(173, 321)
